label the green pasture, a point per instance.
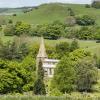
(48, 13)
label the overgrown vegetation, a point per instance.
(77, 69)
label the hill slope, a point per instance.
(50, 12)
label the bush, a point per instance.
(85, 20)
(62, 48)
(10, 21)
(74, 45)
(9, 30)
(88, 6)
(14, 14)
(55, 92)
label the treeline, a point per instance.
(54, 30)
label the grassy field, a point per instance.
(73, 96)
(48, 13)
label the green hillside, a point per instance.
(47, 13)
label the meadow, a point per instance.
(77, 96)
(42, 14)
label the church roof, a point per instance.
(42, 51)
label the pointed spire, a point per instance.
(42, 51)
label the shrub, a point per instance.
(14, 14)
(85, 20)
(88, 6)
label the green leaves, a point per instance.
(75, 71)
(17, 77)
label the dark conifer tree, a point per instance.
(39, 86)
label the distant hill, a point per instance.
(47, 13)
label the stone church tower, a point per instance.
(47, 64)
(42, 52)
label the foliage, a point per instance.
(88, 6)
(50, 31)
(74, 45)
(9, 30)
(96, 4)
(17, 77)
(85, 20)
(54, 30)
(55, 92)
(85, 33)
(86, 74)
(18, 29)
(40, 71)
(39, 86)
(62, 48)
(22, 28)
(64, 76)
(2, 21)
(13, 50)
(71, 12)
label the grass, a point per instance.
(67, 97)
(48, 13)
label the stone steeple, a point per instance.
(42, 52)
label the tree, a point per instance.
(8, 51)
(62, 48)
(74, 45)
(88, 6)
(40, 71)
(39, 86)
(86, 33)
(22, 28)
(96, 4)
(17, 77)
(10, 21)
(85, 20)
(71, 12)
(64, 76)
(9, 30)
(2, 21)
(54, 30)
(86, 74)
(23, 50)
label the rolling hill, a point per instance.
(48, 13)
